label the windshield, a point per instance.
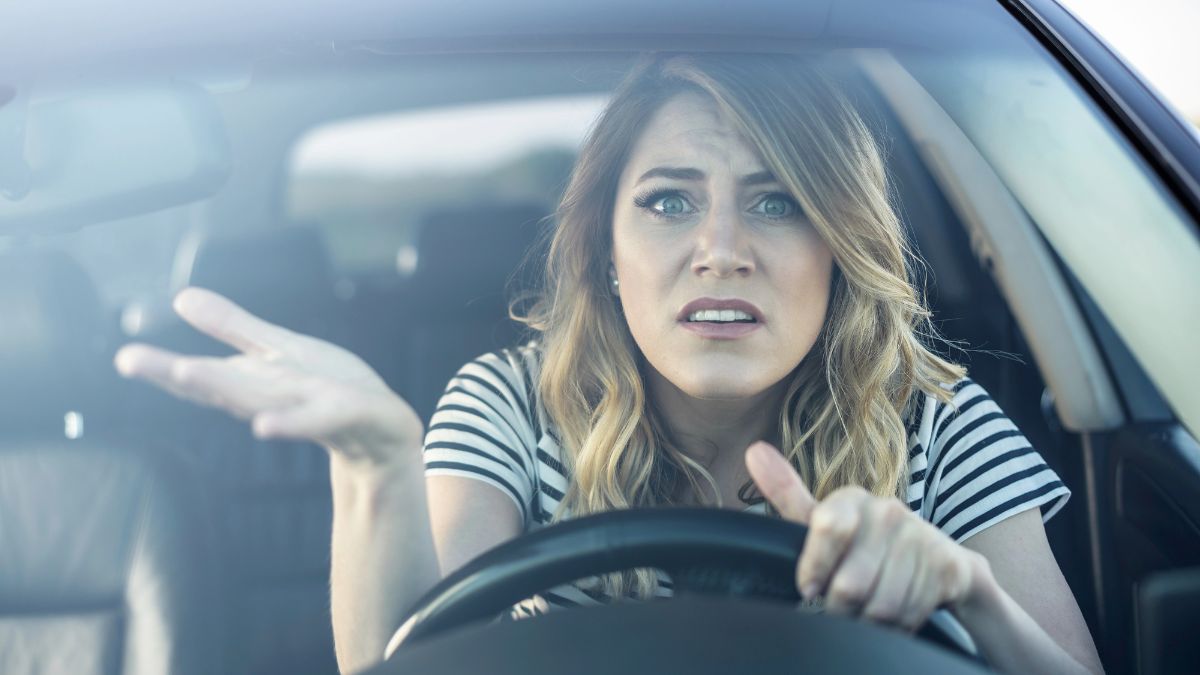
(366, 177)
(392, 200)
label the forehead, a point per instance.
(690, 131)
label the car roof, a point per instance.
(66, 31)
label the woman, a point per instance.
(727, 317)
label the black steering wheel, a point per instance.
(705, 552)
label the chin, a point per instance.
(721, 386)
(717, 376)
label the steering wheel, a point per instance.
(704, 551)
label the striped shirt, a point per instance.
(969, 465)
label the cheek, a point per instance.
(806, 287)
(644, 295)
(644, 266)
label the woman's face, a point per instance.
(698, 215)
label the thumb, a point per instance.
(779, 482)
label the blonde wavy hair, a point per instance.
(843, 418)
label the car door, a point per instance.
(1078, 190)
(1143, 476)
(1109, 176)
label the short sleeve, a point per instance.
(982, 468)
(481, 429)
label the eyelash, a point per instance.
(646, 200)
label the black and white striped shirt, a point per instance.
(970, 466)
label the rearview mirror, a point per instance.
(77, 157)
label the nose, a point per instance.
(722, 245)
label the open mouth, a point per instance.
(717, 312)
(720, 329)
(720, 317)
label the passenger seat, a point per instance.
(103, 556)
(271, 499)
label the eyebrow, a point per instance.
(684, 173)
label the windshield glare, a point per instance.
(427, 183)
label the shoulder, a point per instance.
(928, 412)
(932, 420)
(505, 377)
(972, 466)
(486, 425)
(971, 416)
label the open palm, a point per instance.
(287, 384)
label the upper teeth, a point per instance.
(719, 315)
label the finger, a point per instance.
(923, 596)
(154, 365)
(856, 575)
(224, 320)
(834, 525)
(889, 600)
(239, 386)
(143, 361)
(943, 574)
(779, 482)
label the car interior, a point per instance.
(142, 534)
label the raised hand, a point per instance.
(868, 556)
(288, 385)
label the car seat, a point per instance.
(270, 500)
(102, 555)
(455, 306)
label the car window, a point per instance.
(367, 183)
(1104, 212)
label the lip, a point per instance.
(719, 303)
(712, 331)
(729, 331)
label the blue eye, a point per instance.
(777, 206)
(671, 205)
(664, 203)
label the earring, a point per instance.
(615, 284)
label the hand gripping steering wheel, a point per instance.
(704, 551)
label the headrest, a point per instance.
(465, 256)
(283, 275)
(55, 342)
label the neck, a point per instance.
(716, 432)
